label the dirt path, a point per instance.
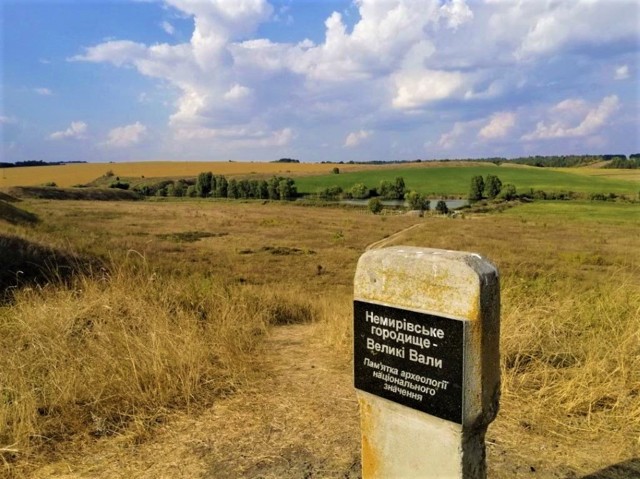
(297, 418)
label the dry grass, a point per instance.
(74, 174)
(570, 319)
(118, 351)
(570, 331)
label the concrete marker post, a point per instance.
(426, 361)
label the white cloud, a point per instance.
(124, 136)
(355, 138)
(418, 63)
(237, 92)
(417, 88)
(456, 12)
(168, 28)
(552, 26)
(43, 91)
(76, 131)
(499, 126)
(593, 121)
(622, 72)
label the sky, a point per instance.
(317, 80)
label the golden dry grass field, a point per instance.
(178, 358)
(81, 173)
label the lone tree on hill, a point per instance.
(477, 188)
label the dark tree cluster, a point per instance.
(562, 161)
(37, 163)
(490, 188)
(208, 185)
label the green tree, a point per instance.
(492, 186)
(399, 188)
(203, 184)
(179, 188)
(375, 205)
(287, 189)
(359, 191)
(442, 208)
(264, 190)
(416, 201)
(232, 189)
(386, 190)
(508, 192)
(191, 191)
(221, 187)
(476, 189)
(244, 189)
(274, 188)
(336, 170)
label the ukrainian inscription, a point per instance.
(411, 358)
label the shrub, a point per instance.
(442, 207)
(121, 185)
(375, 205)
(508, 192)
(359, 191)
(417, 201)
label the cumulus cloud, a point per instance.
(499, 126)
(417, 88)
(590, 22)
(398, 61)
(76, 131)
(456, 12)
(356, 137)
(593, 121)
(237, 92)
(124, 136)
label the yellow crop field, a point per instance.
(74, 174)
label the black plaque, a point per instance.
(411, 358)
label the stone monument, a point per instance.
(426, 361)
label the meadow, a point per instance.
(171, 301)
(454, 181)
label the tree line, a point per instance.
(208, 185)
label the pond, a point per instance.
(451, 204)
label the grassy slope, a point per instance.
(454, 181)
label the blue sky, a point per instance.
(334, 80)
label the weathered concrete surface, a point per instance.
(401, 442)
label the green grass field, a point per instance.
(455, 181)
